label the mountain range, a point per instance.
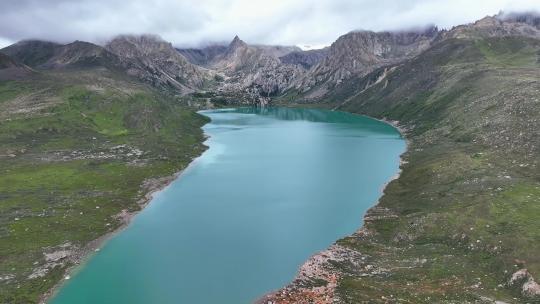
(257, 71)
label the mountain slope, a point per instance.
(359, 53)
(31, 52)
(10, 69)
(145, 57)
(6, 62)
(155, 61)
(458, 226)
(256, 71)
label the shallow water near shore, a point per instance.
(275, 186)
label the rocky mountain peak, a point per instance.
(360, 52)
(488, 21)
(156, 61)
(235, 45)
(140, 45)
(237, 42)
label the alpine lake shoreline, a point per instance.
(83, 255)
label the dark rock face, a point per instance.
(204, 55)
(10, 69)
(306, 59)
(156, 61)
(7, 62)
(31, 52)
(49, 55)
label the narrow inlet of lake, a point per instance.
(275, 186)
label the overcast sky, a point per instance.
(192, 22)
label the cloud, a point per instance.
(4, 42)
(190, 23)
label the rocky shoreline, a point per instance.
(78, 256)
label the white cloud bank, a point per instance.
(190, 23)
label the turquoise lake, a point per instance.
(275, 186)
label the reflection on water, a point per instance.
(299, 114)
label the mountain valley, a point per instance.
(459, 224)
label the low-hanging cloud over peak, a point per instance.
(191, 23)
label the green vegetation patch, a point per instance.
(69, 168)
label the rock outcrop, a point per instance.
(256, 70)
(157, 62)
(306, 59)
(361, 52)
(526, 283)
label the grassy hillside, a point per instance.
(463, 217)
(76, 149)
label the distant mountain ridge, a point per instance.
(49, 55)
(263, 71)
(258, 72)
(145, 57)
(31, 52)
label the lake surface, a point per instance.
(275, 186)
